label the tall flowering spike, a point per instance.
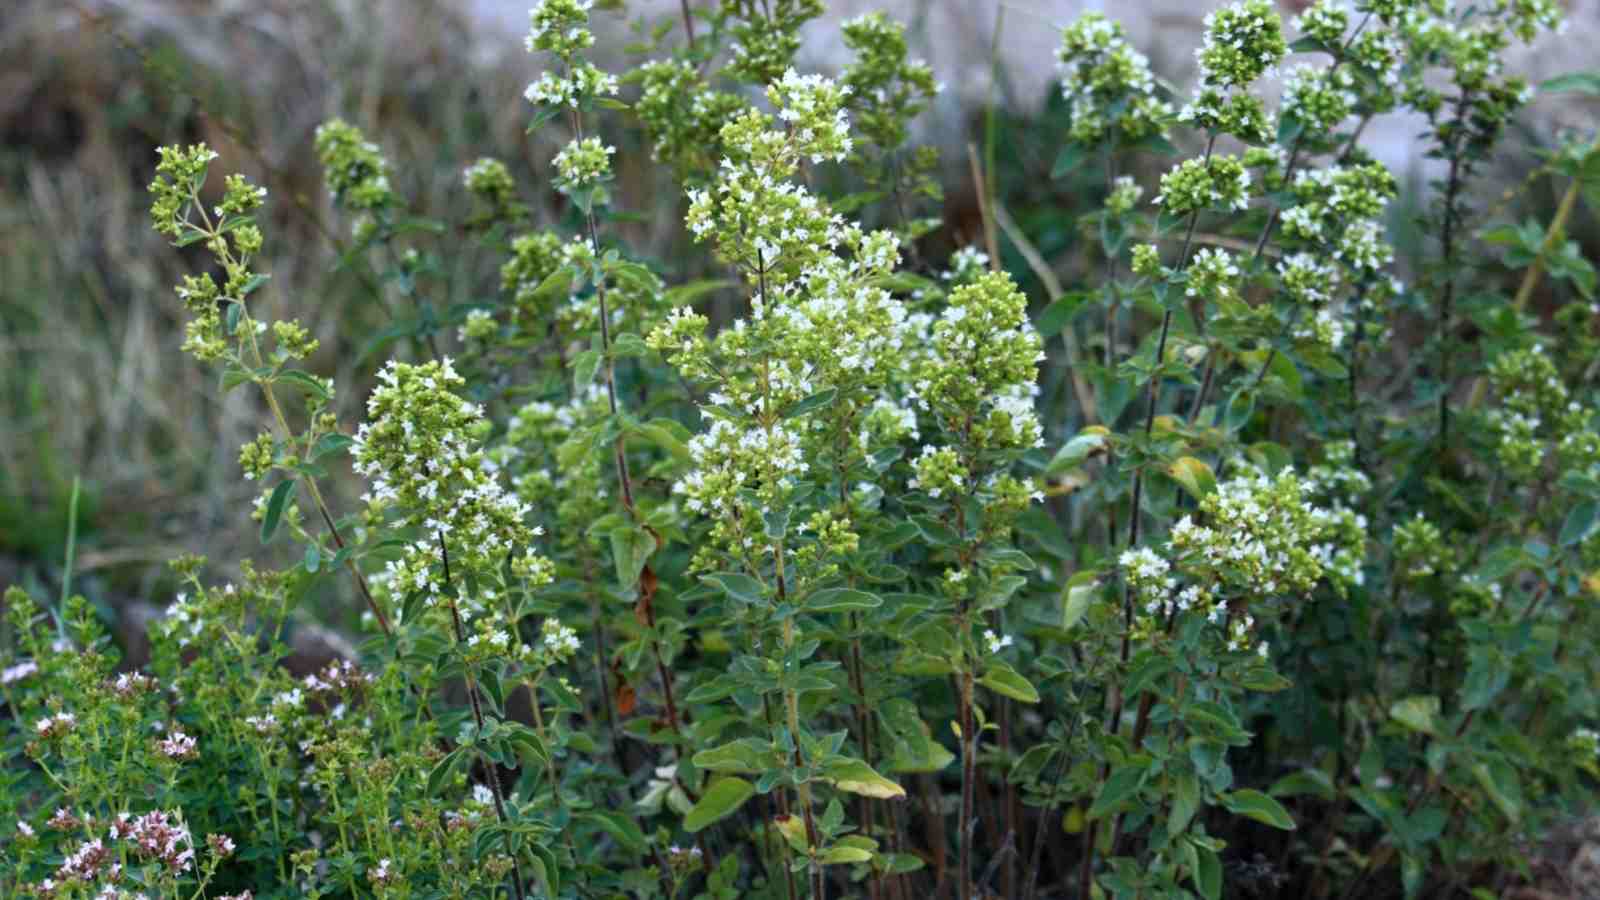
(1108, 86)
(421, 452)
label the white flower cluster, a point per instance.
(420, 455)
(560, 641)
(581, 82)
(726, 456)
(14, 674)
(813, 106)
(1262, 538)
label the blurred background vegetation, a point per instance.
(91, 380)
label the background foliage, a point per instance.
(945, 684)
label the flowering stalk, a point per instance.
(233, 239)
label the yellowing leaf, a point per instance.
(1195, 476)
(857, 777)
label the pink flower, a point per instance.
(178, 745)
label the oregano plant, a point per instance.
(766, 566)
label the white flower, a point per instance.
(996, 642)
(21, 670)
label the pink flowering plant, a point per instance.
(798, 561)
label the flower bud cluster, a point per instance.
(354, 167)
(583, 163)
(561, 28)
(1220, 182)
(1341, 208)
(1420, 550)
(683, 116)
(766, 35)
(886, 88)
(1107, 84)
(1537, 415)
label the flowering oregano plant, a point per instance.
(770, 569)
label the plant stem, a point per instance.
(1114, 719)
(72, 541)
(1448, 253)
(477, 714)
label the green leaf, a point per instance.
(810, 404)
(233, 376)
(441, 770)
(684, 294)
(744, 756)
(1241, 406)
(737, 586)
(1413, 873)
(1306, 781)
(621, 827)
(252, 284)
(664, 434)
(275, 504)
(1002, 679)
(1123, 784)
(1256, 805)
(1081, 590)
(305, 381)
(628, 344)
(1581, 522)
(1487, 675)
(313, 559)
(935, 532)
(584, 367)
(1077, 451)
(836, 599)
(843, 855)
(722, 798)
(631, 547)
(1060, 312)
(1070, 158)
(530, 747)
(1500, 782)
(1209, 878)
(556, 285)
(329, 443)
(1419, 714)
(1185, 803)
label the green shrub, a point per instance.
(663, 604)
